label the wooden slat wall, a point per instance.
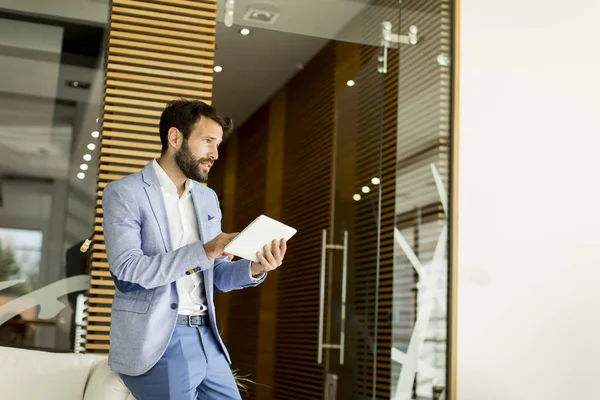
(248, 180)
(268, 290)
(243, 324)
(158, 50)
(306, 206)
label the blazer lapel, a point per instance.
(157, 203)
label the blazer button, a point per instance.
(174, 306)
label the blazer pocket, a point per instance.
(136, 302)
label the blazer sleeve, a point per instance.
(131, 270)
(235, 275)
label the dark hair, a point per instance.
(183, 114)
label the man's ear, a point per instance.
(174, 138)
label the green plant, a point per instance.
(8, 264)
(242, 381)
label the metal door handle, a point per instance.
(322, 296)
(324, 248)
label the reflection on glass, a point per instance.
(20, 255)
(420, 276)
(51, 91)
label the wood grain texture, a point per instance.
(454, 175)
(140, 79)
(307, 180)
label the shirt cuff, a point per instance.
(254, 279)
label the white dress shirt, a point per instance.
(183, 229)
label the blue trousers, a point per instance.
(192, 368)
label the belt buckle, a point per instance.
(189, 321)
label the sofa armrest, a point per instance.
(103, 384)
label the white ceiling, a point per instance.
(254, 67)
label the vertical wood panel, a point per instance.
(244, 305)
(227, 170)
(454, 174)
(306, 206)
(140, 79)
(268, 290)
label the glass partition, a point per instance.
(51, 88)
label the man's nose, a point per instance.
(214, 153)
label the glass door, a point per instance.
(338, 111)
(351, 246)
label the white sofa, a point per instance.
(32, 375)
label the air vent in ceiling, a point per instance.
(261, 14)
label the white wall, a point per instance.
(529, 203)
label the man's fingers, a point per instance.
(283, 248)
(262, 260)
(276, 250)
(270, 258)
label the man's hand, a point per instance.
(271, 259)
(215, 248)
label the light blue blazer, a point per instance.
(144, 268)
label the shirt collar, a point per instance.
(166, 183)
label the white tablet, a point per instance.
(262, 231)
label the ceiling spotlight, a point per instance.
(83, 167)
(244, 31)
(375, 181)
(97, 120)
(78, 84)
(91, 146)
(366, 189)
(218, 68)
(95, 134)
(87, 157)
(81, 175)
(356, 197)
(350, 83)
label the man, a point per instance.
(166, 254)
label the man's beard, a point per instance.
(189, 165)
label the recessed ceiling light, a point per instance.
(366, 189)
(78, 84)
(244, 31)
(83, 167)
(218, 68)
(95, 134)
(350, 83)
(375, 181)
(356, 197)
(81, 175)
(91, 146)
(87, 157)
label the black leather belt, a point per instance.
(192, 320)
